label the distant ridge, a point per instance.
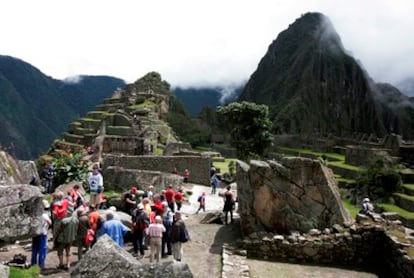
(35, 108)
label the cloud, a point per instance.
(195, 43)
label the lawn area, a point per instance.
(223, 166)
(353, 210)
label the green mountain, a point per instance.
(312, 84)
(195, 99)
(36, 108)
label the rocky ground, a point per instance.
(204, 252)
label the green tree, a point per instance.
(249, 128)
(379, 180)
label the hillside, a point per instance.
(36, 108)
(195, 99)
(312, 84)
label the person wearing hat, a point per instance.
(39, 243)
(140, 222)
(155, 231)
(367, 208)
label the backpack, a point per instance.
(89, 237)
(199, 198)
(185, 236)
(139, 224)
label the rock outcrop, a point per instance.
(107, 259)
(20, 212)
(14, 171)
(294, 194)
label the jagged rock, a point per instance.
(20, 212)
(125, 218)
(4, 271)
(291, 194)
(15, 171)
(213, 217)
(106, 259)
(67, 187)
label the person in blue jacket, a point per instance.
(114, 229)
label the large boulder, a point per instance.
(15, 171)
(297, 194)
(106, 259)
(20, 212)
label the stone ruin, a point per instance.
(294, 194)
(107, 259)
(290, 211)
(20, 212)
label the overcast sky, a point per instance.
(194, 42)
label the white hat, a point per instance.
(140, 206)
(112, 208)
(366, 200)
(45, 204)
(158, 218)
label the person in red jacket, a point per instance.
(169, 197)
(186, 175)
(179, 198)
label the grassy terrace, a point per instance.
(398, 210)
(334, 156)
(404, 196)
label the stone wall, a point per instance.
(126, 145)
(360, 155)
(367, 247)
(290, 194)
(120, 179)
(199, 167)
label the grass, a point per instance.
(343, 165)
(408, 185)
(32, 272)
(404, 196)
(353, 210)
(345, 180)
(223, 166)
(398, 210)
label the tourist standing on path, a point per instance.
(179, 197)
(214, 181)
(95, 181)
(186, 175)
(155, 231)
(114, 229)
(228, 204)
(39, 243)
(140, 222)
(82, 230)
(66, 236)
(167, 220)
(176, 236)
(169, 197)
(202, 201)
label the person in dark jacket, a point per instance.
(176, 230)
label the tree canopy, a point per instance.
(249, 127)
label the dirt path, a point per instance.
(203, 252)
